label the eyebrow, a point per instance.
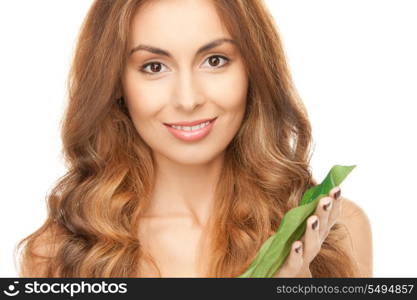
(160, 51)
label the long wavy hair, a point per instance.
(93, 210)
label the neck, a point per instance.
(185, 190)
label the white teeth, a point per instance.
(191, 128)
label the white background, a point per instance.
(353, 62)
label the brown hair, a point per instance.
(94, 209)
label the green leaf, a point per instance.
(276, 248)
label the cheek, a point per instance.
(143, 100)
(230, 92)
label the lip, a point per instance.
(193, 135)
(185, 123)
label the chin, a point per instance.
(192, 156)
(192, 159)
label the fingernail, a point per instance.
(337, 194)
(326, 207)
(315, 223)
(298, 249)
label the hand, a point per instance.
(305, 250)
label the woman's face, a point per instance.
(179, 83)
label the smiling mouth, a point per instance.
(191, 126)
(191, 133)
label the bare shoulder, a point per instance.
(359, 230)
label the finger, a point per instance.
(293, 263)
(312, 242)
(322, 211)
(336, 211)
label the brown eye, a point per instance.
(155, 68)
(215, 61)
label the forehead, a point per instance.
(172, 23)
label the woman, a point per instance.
(146, 193)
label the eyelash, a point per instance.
(143, 67)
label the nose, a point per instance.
(187, 96)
